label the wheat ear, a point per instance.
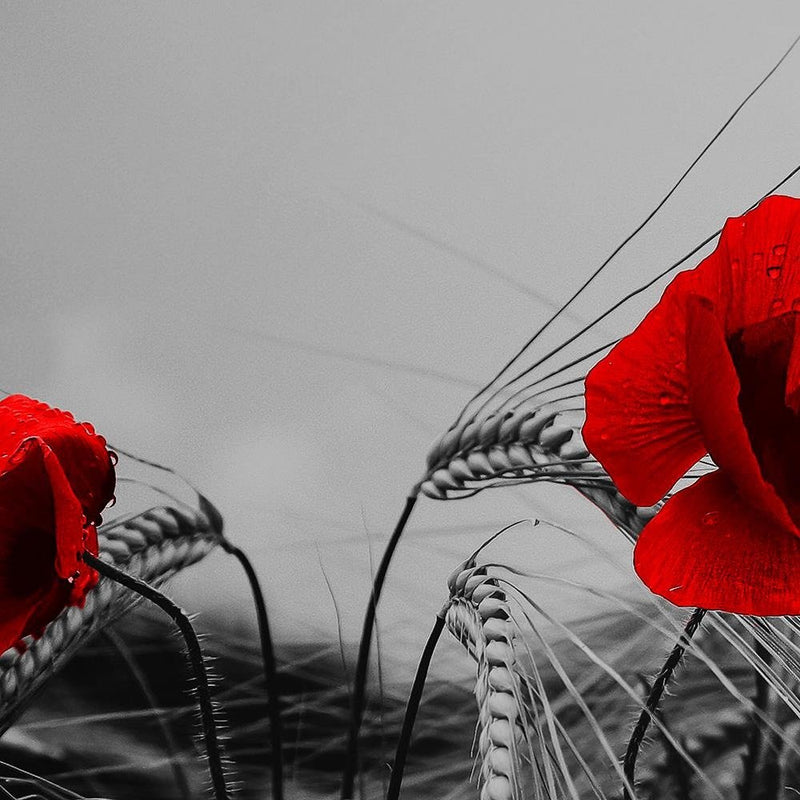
(522, 445)
(479, 617)
(522, 442)
(152, 546)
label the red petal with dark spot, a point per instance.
(638, 421)
(714, 399)
(763, 355)
(41, 532)
(710, 549)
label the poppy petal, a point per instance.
(68, 515)
(41, 530)
(714, 390)
(709, 548)
(756, 269)
(639, 422)
(47, 608)
(791, 395)
(754, 272)
(82, 452)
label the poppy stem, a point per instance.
(360, 680)
(139, 677)
(679, 769)
(178, 616)
(654, 697)
(412, 707)
(270, 669)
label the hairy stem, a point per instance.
(360, 680)
(181, 781)
(654, 697)
(680, 771)
(270, 669)
(210, 735)
(411, 709)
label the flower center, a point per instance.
(761, 354)
(30, 563)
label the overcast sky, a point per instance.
(237, 236)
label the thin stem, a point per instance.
(635, 231)
(53, 789)
(5, 793)
(140, 678)
(411, 709)
(759, 768)
(679, 769)
(270, 669)
(360, 680)
(379, 665)
(756, 734)
(212, 743)
(654, 698)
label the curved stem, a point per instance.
(138, 675)
(213, 746)
(360, 680)
(270, 669)
(411, 709)
(654, 698)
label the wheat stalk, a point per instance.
(153, 546)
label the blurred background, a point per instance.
(277, 246)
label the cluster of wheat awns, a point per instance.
(554, 712)
(524, 427)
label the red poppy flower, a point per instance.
(714, 368)
(56, 476)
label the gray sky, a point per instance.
(210, 212)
